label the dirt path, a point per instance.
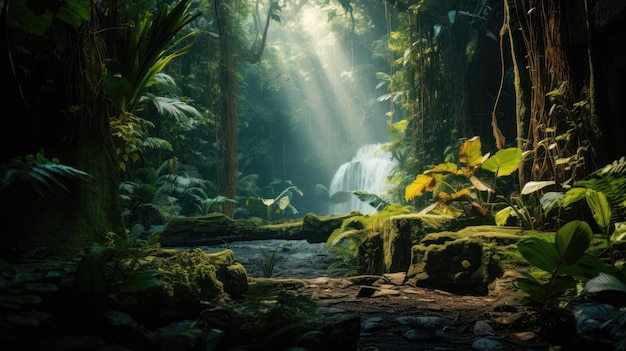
(396, 316)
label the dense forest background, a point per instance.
(185, 108)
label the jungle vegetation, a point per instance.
(180, 108)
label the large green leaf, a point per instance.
(573, 195)
(503, 215)
(600, 208)
(540, 253)
(572, 240)
(533, 186)
(551, 200)
(504, 162)
(38, 16)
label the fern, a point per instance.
(43, 175)
(610, 180)
(617, 167)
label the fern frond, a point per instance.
(156, 144)
(614, 187)
(182, 112)
(43, 175)
(617, 167)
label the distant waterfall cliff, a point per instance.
(367, 171)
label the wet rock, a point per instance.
(489, 344)
(482, 328)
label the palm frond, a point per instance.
(182, 112)
(43, 175)
(156, 144)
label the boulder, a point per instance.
(466, 261)
(232, 274)
(388, 246)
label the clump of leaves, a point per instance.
(563, 264)
(278, 204)
(267, 263)
(353, 233)
(43, 175)
(450, 182)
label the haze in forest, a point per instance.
(327, 93)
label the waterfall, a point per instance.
(367, 171)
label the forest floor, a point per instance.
(399, 317)
(396, 316)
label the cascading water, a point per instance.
(367, 171)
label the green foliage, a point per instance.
(346, 241)
(205, 204)
(155, 196)
(142, 51)
(266, 263)
(42, 175)
(277, 204)
(605, 195)
(438, 179)
(39, 16)
(371, 199)
(565, 261)
(139, 54)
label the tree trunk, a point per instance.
(63, 111)
(227, 143)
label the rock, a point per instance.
(232, 274)
(465, 262)
(423, 335)
(372, 324)
(182, 336)
(388, 247)
(338, 332)
(397, 279)
(424, 322)
(482, 328)
(451, 266)
(489, 344)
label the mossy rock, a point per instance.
(460, 266)
(468, 260)
(390, 240)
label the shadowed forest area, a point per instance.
(464, 144)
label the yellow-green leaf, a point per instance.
(504, 162)
(600, 208)
(503, 215)
(469, 152)
(421, 183)
(445, 168)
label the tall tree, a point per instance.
(51, 73)
(52, 63)
(231, 54)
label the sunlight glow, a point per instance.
(334, 115)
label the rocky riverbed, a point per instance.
(292, 258)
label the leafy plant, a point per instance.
(266, 263)
(39, 173)
(527, 211)
(206, 204)
(564, 262)
(270, 319)
(604, 193)
(279, 203)
(440, 179)
(349, 241)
